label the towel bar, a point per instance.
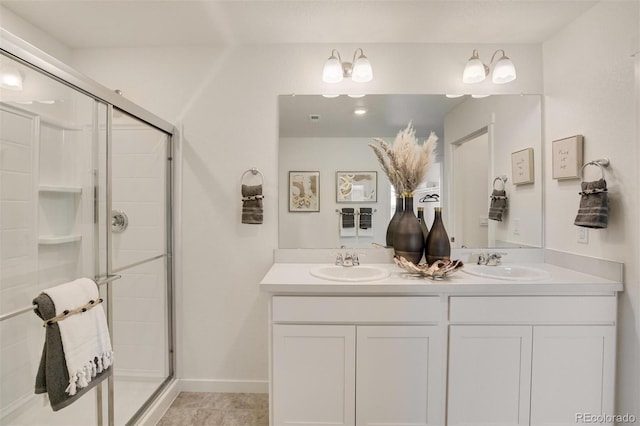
(601, 163)
(12, 314)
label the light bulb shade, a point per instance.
(10, 78)
(362, 71)
(332, 72)
(504, 71)
(474, 71)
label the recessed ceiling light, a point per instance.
(360, 111)
(331, 95)
(480, 96)
(357, 95)
(454, 95)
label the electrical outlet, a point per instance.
(583, 235)
(516, 226)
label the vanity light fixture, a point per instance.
(10, 78)
(359, 69)
(476, 71)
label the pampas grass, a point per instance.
(405, 162)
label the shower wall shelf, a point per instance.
(60, 188)
(48, 240)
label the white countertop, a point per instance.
(295, 278)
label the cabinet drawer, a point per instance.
(356, 309)
(533, 310)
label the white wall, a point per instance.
(34, 35)
(328, 155)
(589, 88)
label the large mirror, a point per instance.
(484, 144)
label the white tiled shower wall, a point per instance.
(18, 251)
(140, 303)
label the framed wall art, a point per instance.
(567, 157)
(522, 166)
(356, 187)
(304, 191)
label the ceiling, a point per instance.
(139, 23)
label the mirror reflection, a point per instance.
(330, 138)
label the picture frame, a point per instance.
(356, 187)
(304, 191)
(522, 166)
(567, 157)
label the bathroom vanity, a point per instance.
(465, 350)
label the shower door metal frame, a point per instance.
(28, 55)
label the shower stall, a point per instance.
(85, 191)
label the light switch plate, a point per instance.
(583, 235)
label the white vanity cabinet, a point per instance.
(465, 351)
(530, 360)
(357, 361)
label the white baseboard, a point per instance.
(161, 404)
(224, 386)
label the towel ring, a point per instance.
(503, 179)
(601, 163)
(254, 171)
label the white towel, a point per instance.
(85, 336)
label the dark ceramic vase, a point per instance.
(409, 240)
(423, 224)
(393, 224)
(438, 246)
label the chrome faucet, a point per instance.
(492, 259)
(348, 259)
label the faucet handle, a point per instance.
(482, 258)
(356, 261)
(339, 259)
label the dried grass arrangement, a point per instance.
(405, 162)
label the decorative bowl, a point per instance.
(437, 270)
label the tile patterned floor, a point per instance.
(217, 409)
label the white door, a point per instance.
(471, 192)
(573, 373)
(399, 375)
(314, 374)
(489, 375)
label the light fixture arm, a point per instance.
(495, 53)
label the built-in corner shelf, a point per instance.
(48, 240)
(60, 189)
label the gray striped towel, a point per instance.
(498, 204)
(252, 212)
(594, 205)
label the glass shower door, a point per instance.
(139, 217)
(50, 136)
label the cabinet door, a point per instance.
(313, 374)
(573, 373)
(399, 375)
(489, 375)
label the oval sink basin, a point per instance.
(507, 272)
(350, 274)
